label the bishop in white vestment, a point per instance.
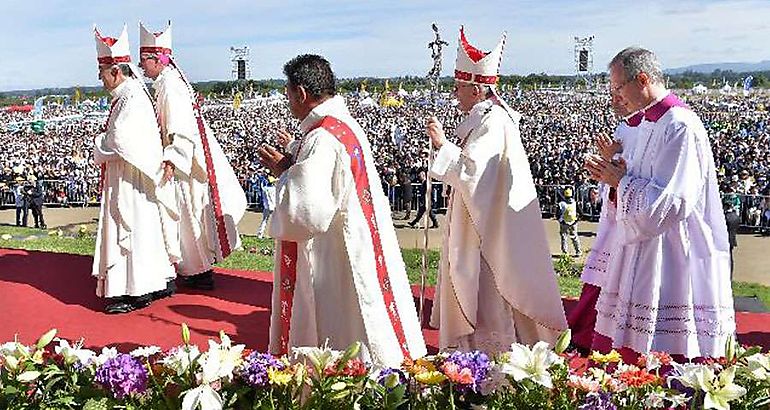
(132, 258)
(497, 284)
(211, 199)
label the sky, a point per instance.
(51, 44)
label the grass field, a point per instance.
(256, 254)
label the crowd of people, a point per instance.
(558, 129)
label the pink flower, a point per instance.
(457, 375)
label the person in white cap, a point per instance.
(339, 275)
(496, 283)
(211, 200)
(133, 259)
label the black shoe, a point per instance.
(413, 223)
(169, 291)
(140, 302)
(201, 281)
(118, 305)
(434, 226)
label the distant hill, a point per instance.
(734, 67)
(50, 91)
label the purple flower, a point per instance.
(123, 375)
(384, 373)
(254, 368)
(598, 401)
(477, 362)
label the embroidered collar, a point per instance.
(655, 110)
(660, 108)
(634, 119)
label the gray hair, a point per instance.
(487, 90)
(637, 60)
(125, 69)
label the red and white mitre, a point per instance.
(110, 50)
(155, 43)
(475, 66)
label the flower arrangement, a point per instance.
(56, 373)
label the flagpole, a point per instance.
(433, 76)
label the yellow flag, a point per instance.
(77, 96)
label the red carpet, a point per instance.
(41, 290)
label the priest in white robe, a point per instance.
(211, 200)
(582, 317)
(668, 279)
(496, 281)
(339, 274)
(132, 258)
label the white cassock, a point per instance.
(668, 279)
(582, 318)
(132, 255)
(496, 284)
(599, 255)
(204, 237)
(336, 231)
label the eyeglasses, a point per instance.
(617, 88)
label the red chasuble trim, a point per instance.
(288, 271)
(154, 50)
(288, 278)
(114, 60)
(478, 78)
(224, 243)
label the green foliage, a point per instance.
(566, 265)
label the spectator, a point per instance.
(568, 219)
(20, 202)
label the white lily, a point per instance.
(692, 375)
(654, 400)
(221, 360)
(107, 354)
(203, 397)
(14, 349)
(758, 366)
(651, 362)
(319, 356)
(145, 351)
(525, 363)
(721, 391)
(180, 358)
(74, 353)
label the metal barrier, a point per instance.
(439, 197)
(253, 194)
(56, 192)
(754, 210)
(589, 202)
